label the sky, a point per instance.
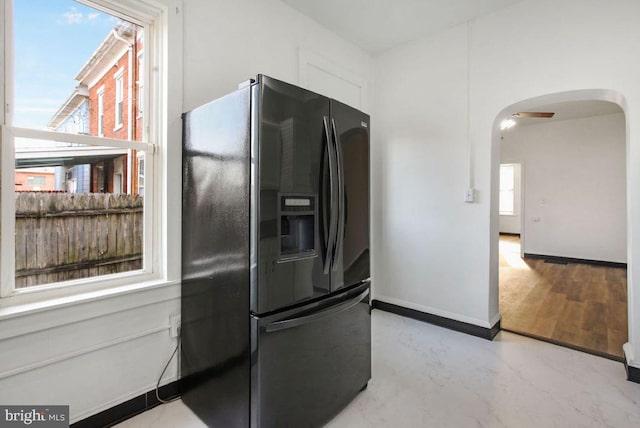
(53, 40)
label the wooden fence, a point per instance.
(63, 236)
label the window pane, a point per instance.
(119, 100)
(100, 116)
(506, 202)
(507, 177)
(67, 57)
(79, 211)
(140, 186)
(507, 185)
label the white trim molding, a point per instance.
(308, 59)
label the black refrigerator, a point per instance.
(276, 328)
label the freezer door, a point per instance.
(291, 201)
(350, 129)
(308, 365)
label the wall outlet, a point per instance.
(174, 325)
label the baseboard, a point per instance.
(557, 259)
(129, 408)
(463, 327)
(633, 373)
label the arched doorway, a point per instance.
(562, 274)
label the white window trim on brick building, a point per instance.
(140, 156)
(140, 84)
(100, 94)
(119, 99)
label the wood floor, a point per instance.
(579, 305)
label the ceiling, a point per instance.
(378, 25)
(570, 110)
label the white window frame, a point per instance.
(100, 94)
(119, 101)
(153, 17)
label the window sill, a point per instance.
(66, 309)
(117, 128)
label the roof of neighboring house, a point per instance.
(79, 95)
(107, 54)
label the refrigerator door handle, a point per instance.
(341, 197)
(333, 222)
(296, 322)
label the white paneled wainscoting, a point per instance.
(90, 356)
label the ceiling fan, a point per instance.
(506, 124)
(534, 114)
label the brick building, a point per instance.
(106, 103)
(35, 180)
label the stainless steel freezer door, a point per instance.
(308, 365)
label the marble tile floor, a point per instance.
(427, 376)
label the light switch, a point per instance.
(470, 195)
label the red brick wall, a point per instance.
(109, 84)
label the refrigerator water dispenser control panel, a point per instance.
(297, 226)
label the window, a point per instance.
(36, 181)
(141, 174)
(119, 99)
(507, 189)
(89, 251)
(101, 112)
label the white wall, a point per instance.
(106, 350)
(575, 199)
(227, 42)
(512, 223)
(427, 243)
(435, 251)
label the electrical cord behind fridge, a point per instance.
(162, 374)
